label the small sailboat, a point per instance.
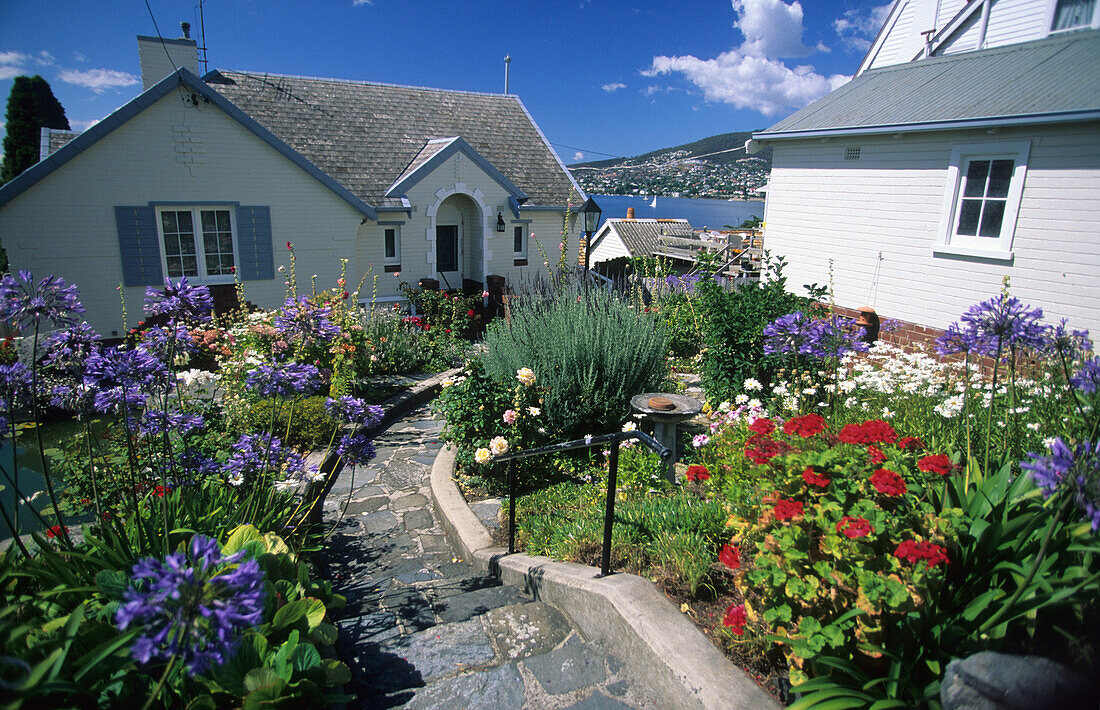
(653, 205)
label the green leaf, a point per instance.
(112, 582)
(240, 537)
(315, 612)
(336, 672)
(887, 704)
(324, 634)
(305, 658)
(203, 702)
(261, 678)
(290, 614)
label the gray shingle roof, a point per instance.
(1052, 79)
(640, 235)
(366, 135)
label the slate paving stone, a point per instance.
(497, 689)
(528, 629)
(571, 667)
(598, 701)
(410, 501)
(424, 629)
(461, 607)
(418, 520)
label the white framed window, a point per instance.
(198, 242)
(1073, 15)
(985, 182)
(519, 242)
(391, 240)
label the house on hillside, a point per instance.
(966, 149)
(212, 177)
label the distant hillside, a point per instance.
(732, 142)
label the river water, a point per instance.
(715, 214)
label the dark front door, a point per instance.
(446, 252)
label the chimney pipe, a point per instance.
(630, 213)
(507, 61)
(185, 27)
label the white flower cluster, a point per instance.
(197, 384)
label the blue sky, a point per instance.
(600, 77)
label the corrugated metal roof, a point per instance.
(639, 236)
(365, 135)
(1056, 78)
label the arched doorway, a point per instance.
(459, 234)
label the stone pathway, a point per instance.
(423, 628)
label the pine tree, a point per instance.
(31, 106)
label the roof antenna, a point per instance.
(507, 61)
(928, 41)
(202, 35)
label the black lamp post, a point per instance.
(590, 213)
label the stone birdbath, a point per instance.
(666, 410)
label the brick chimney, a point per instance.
(154, 53)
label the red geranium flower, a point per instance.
(160, 491)
(875, 453)
(935, 463)
(762, 426)
(736, 618)
(761, 448)
(910, 443)
(55, 531)
(787, 509)
(873, 431)
(888, 482)
(697, 473)
(813, 479)
(470, 313)
(805, 426)
(730, 557)
(854, 527)
(913, 552)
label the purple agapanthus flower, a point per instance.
(180, 301)
(996, 327)
(15, 385)
(284, 380)
(796, 333)
(1070, 344)
(28, 304)
(354, 411)
(155, 422)
(301, 319)
(164, 340)
(67, 349)
(257, 454)
(355, 448)
(122, 378)
(196, 603)
(1074, 469)
(1087, 379)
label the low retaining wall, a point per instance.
(629, 615)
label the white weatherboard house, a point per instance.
(207, 177)
(627, 236)
(943, 167)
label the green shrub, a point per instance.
(472, 404)
(590, 351)
(303, 424)
(681, 319)
(732, 325)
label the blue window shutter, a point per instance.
(138, 243)
(257, 258)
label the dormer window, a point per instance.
(1073, 14)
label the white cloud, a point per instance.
(83, 125)
(749, 82)
(79, 57)
(856, 29)
(12, 64)
(45, 59)
(651, 89)
(752, 76)
(613, 87)
(99, 80)
(358, 3)
(578, 157)
(772, 28)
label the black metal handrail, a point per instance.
(588, 442)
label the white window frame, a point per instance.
(998, 248)
(519, 255)
(394, 260)
(1052, 7)
(200, 255)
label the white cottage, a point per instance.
(966, 149)
(211, 178)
